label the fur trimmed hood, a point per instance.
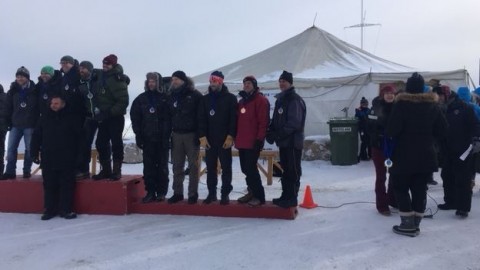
(417, 98)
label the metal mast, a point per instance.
(362, 24)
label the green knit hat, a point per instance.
(49, 70)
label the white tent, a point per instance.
(329, 74)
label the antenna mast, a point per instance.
(362, 24)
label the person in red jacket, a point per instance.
(253, 114)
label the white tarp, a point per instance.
(329, 74)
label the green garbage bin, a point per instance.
(344, 141)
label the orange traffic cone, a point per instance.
(308, 200)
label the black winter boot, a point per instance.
(462, 214)
(406, 227)
(212, 197)
(246, 198)
(69, 215)
(446, 206)
(117, 170)
(175, 198)
(224, 200)
(286, 203)
(105, 172)
(150, 197)
(48, 215)
(193, 199)
(417, 221)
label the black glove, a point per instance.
(270, 137)
(139, 141)
(258, 145)
(102, 116)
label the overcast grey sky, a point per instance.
(197, 36)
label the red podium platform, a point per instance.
(91, 197)
(108, 197)
(234, 209)
(124, 197)
(22, 196)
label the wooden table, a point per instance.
(269, 155)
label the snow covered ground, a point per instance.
(353, 236)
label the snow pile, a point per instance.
(353, 236)
(316, 148)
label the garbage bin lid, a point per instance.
(346, 120)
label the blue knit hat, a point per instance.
(464, 94)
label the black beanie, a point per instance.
(88, 65)
(287, 76)
(68, 59)
(415, 84)
(23, 71)
(180, 74)
(363, 101)
(217, 74)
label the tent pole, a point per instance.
(362, 20)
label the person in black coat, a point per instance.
(68, 85)
(415, 122)
(3, 129)
(381, 147)
(151, 123)
(54, 147)
(217, 124)
(458, 160)
(21, 116)
(184, 106)
(89, 89)
(47, 86)
(361, 113)
(287, 130)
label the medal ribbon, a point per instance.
(213, 100)
(388, 146)
(23, 95)
(65, 80)
(152, 99)
(176, 97)
(43, 90)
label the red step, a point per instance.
(91, 197)
(108, 197)
(22, 196)
(233, 209)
